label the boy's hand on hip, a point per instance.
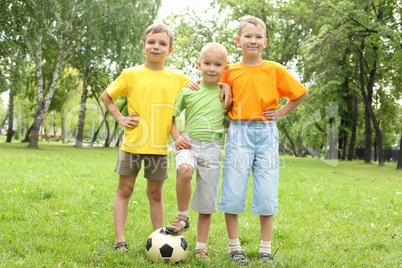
(130, 121)
(182, 143)
(271, 114)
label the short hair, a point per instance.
(251, 19)
(214, 47)
(159, 28)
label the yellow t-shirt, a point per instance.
(152, 95)
(256, 88)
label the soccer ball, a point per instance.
(164, 246)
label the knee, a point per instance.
(155, 195)
(125, 190)
(185, 171)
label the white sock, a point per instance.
(201, 245)
(234, 244)
(265, 246)
(184, 214)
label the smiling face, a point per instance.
(252, 40)
(213, 63)
(157, 47)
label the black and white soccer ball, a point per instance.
(164, 246)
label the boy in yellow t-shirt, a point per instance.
(151, 91)
(257, 86)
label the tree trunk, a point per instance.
(28, 134)
(95, 136)
(333, 150)
(10, 113)
(83, 107)
(63, 127)
(46, 136)
(367, 103)
(368, 100)
(399, 165)
(43, 103)
(116, 124)
(25, 127)
(107, 141)
(344, 146)
(354, 128)
(4, 122)
(120, 138)
(291, 141)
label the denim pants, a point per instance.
(251, 146)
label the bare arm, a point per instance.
(281, 113)
(180, 142)
(130, 121)
(227, 93)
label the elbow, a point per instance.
(304, 96)
(105, 96)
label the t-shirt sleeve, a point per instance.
(184, 80)
(289, 86)
(224, 77)
(180, 103)
(119, 87)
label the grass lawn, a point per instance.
(56, 207)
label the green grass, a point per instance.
(56, 210)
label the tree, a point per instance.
(47, 28)
(13, 62)
(112, 32)
(399, 166)
(349, 38)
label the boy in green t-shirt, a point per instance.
(199, 147)
(151, 91)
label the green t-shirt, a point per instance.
(204, 112)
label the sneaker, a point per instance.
(266, 257)
(176, 227)
(202, 254)
(238, 256)
(121, 246)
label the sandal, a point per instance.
(176, 227)
(239, 257)
(202, 254)
(266, 257)
(122, 246)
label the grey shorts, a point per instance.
(205, 157)
(155, 166)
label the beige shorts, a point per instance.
(155, 166)
(205, 157)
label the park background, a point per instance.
(57, 57)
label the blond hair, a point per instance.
(159, 28)
(214, 47)
(253, 20)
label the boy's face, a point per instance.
(156, 47)
(212, 65)
(252, 40)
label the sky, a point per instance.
(169, 6)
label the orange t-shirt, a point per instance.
(256, 88)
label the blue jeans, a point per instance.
(251, 145)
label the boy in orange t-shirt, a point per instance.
(257, 85)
